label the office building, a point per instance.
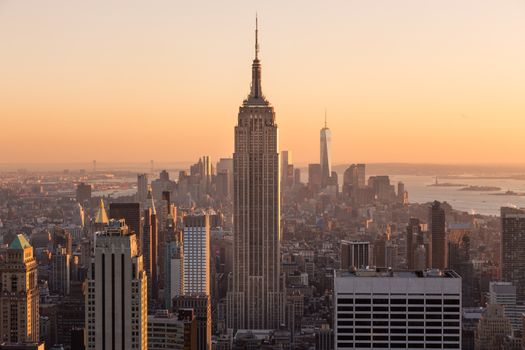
(170, 331)
(174, 272)
(201, 306)
(382, 308)
(116, 298)
(355, 255)
(325, 156)
(130, 212)
(493, 327)
(287, 169)
(150, 238)
(256, 300)
(142, 188)
(512, 248)
(60, 272)
(83, 193)
(196, 256)
(438, 234)
(315, 177)
(19, 299)
(505, 294)
(70, 316)
(354, 178)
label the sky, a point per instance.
(434, 81)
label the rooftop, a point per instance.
(386, 272)
(20, 242)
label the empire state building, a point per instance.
(255, 297)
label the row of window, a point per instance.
(379, 301)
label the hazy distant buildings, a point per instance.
(287, 169)
(376, 309)
(513, 248)
(325, 156)
(83, 193)
(255, 299)
(142, 188)
(438, 234)
(315, 177)
(116, 301)
(414, 239)
(19, 298)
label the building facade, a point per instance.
(438, 234)
(116, 298)
(512, 248)
(380, 308)
(19, 298)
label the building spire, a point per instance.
(256, 91)
(256, 37)
(325, 123)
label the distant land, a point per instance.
(443, 171)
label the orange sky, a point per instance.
(128, 81)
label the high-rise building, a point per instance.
(60, 272)
(493, 327)
(174, 272)
(150, 236)
(196, 271)
(256, 300)
(354, 178)
(130, 212)
(116, 298)
(355, 254)
(287, 169)
(196, 257)
(512, 248)
(459, 261)
(315, 177)
(504, 293)
(70, 315)
(142, 188)
(438, 234)
(201, 306)
(170, 331)
(83, 192)
(325, 156)
(19, 298)
(382, 308)
(414, 240)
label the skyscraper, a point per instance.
(116, 305)
(438, 236)
(150, 245)
(60, 272)
(255, 299)
(326, 166)
(142, 188)
(19, 295)
(196, 257)
(512, 248)
(355, 254)
(130, 212)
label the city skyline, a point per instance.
(133, 69)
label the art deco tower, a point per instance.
(255, 298)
